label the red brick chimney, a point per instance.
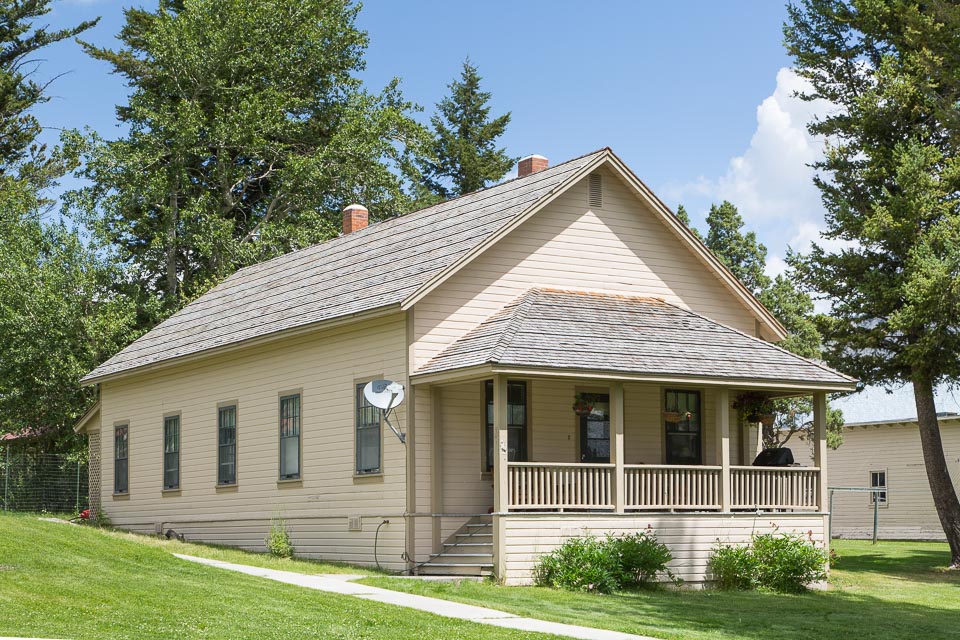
(355, 217)
(531, 164)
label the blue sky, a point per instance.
(695, 96)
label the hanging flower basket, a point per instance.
(755, 407)
(582, 406)
(673, 417)
(767, 419)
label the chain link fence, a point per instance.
(38, 482)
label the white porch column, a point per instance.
(820, 447)
(436, 469)
(500, 481)
(723, 445)
(616, 450)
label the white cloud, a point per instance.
(771, 182)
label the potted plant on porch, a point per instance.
(582, 404)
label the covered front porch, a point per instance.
(626, 440)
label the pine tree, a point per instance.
(737, 249)
(465, 156)
(890, 182)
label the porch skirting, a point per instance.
(690, 537)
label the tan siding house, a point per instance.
(570, 353)
(892, 448)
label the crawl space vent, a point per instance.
(595, 190)
(355, 523)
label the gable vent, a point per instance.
(595, 190)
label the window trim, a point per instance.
(485, 437)
(702, 394)
(358, 384)
(885, 502)
(281, 396)
(167, 416)
(236, 443)
(125, 424)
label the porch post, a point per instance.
(723, 446)
(500, 480)
(616, 451)
(820, 447)
(436, 469)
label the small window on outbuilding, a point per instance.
(290, 437)
(227, 445)
(368, 437)
(878, 480)
(121, 467)
(171, 452)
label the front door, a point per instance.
(595, 429)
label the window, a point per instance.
(684, 432)
(227, 445)
(290, 437)
(121, 469)
(516, 423)
(878, 480)
(171, 452)
(368, 434)
(595, 429)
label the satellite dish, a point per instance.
(384, 394)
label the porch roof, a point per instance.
(579, 331)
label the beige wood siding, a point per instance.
(690, 537)
(324, 367)
(620, 247)
(910, 512)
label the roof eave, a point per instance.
(81, 425)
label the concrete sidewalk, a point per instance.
(344, 585)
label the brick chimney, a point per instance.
(355, 217)
(531, 164)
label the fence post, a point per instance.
(6, 478)
(77, 507)
(876, 514)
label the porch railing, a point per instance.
(560, 486)
(546, 485)
(774, 487)
(672, 487)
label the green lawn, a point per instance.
(892, 590)
(64, 581)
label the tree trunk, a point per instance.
(944, 495)
(171, 257)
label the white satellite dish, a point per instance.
(384, 394)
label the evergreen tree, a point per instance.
(890, 182)
(684, 217)
(465, 156)
(737, 249)
(249, 130)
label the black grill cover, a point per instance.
(782, 457)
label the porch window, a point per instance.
(878, 480)
(516, 423)
(171, 452)
(290, 437)
(121, 468)
(684, 428)
(367, 434)
(227, 445)
(595, 429)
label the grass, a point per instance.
(892, 590)
(58, 580)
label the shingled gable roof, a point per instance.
(644, 337)
(369, 269)
(388, 264)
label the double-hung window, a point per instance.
(516, 423)
(171, 452)
(290, 437)
(367, 434)
(878, 480)
(121, 469)
(227, 445)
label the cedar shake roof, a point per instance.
(373, 268)
(576, 330)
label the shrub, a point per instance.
(603, 565)
(733, 567)
(278, 541)
(787, 563)
(640, 557)
(783, 563)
